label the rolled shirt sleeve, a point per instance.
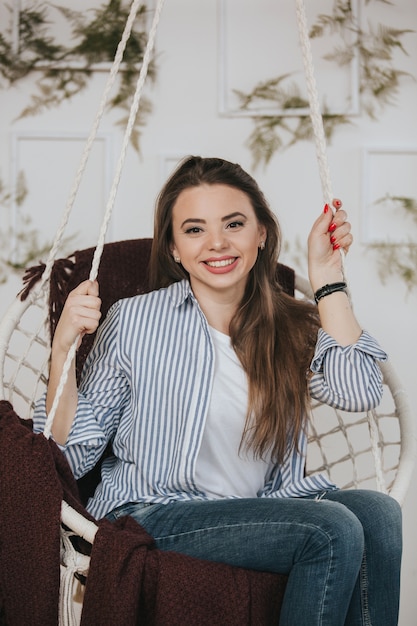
(101, 399)
(349, 377)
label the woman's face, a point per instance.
(216, 235)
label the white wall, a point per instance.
(186, 120)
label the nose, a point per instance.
(218, 240)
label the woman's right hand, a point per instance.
(80, 315)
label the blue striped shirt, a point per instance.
(146, 387)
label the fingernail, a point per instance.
(332, 227)
(338, 203)
(332, 239)
(326, 208)
(336, 246)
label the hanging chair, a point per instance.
(340, 443)
(373, 450)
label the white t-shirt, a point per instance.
(221, 470)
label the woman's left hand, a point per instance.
(330, 234)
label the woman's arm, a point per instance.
(346, 374)
(347, 378)
(80, 316)
(329, 235)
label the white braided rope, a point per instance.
(324, 171)
(315, 111)
(44, 282)
(118, 58)
(132, 116)
(110, 204)
(72, 563)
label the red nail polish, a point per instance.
(336, 246)
(338, 203)
(332, 227)
(332, 239)
(326, 208)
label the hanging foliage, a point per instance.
(21, 244)
(27, 239)
(379, 82)
(65, 70)
(399, 260)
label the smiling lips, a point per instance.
(221, 266)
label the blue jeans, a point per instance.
(342, 552)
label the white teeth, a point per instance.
(220, 263)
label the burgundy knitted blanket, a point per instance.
(130, 581)
(34, 478)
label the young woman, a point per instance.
(203, 386)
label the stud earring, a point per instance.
(177, 259)
(262, 245)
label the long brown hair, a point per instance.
(272, 333)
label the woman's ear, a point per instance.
(175, 255)
(262, 234)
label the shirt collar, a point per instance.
(180, 292)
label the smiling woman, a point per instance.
(203, 387)
(216, 236)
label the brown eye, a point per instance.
(193, 230)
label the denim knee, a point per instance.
(324, 576)
(379, 514)
(339, 531)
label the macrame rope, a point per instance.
(110, 204)
(321, 152)
(132, 116)
(90, 140)
(73, 193)
(315, 112)
(72, 563)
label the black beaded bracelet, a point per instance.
(326, 290)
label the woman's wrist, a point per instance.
(328, 289)
(319, 279)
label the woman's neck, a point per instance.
(219, 310)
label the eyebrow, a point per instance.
(196, 220)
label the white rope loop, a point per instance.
(59, 391)
(321, 151)
(316, 115)
(91, 138)
(110, 204)
(132, 117)
(72, 563)
(315, 112)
